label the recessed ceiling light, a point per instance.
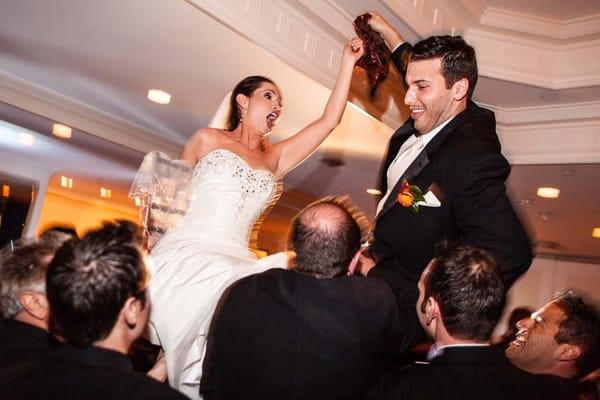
(159, 96)
(374, 192)
(26, 139)
(66, 182)
(61, 131)
(548, 192)
(105, 193)
(596, 232)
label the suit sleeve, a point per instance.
(486, 219)
(400, 57)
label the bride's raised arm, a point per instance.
(293, 150)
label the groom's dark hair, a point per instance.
(457, 58)
(325, 236)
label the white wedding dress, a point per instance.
(201, 255)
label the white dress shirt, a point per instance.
(409, 151)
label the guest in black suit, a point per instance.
(461, 297)
(96, 288)
(448, 147)
(313, 332)
(562, 338)
(24, 337)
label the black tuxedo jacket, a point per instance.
(22, 347)
(286, 335)
(470, 373)
(464, 161)
(90, 373)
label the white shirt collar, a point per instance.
(436, 351)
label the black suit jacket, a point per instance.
(22, 347)
(470, 373)
(89, 373)
(285, 335)
(465, 162)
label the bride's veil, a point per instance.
(161, 187)
(219, 120)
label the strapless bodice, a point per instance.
(226, 198)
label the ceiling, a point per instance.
(90, 64)
(556, 9)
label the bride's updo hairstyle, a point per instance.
(246, 86)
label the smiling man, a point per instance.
(561, 338)
(449, 150)
(461, 298)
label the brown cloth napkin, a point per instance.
(377, 55)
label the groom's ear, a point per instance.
(460, 88)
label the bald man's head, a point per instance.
(325, 237)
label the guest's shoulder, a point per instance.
(267, 277)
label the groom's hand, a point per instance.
(390, 35)
(365, 264)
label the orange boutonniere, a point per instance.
(410, 196)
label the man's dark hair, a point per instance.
(89, 281)
(23, 266)
(325, 236)
(581, 327)
(467, 284)
(457, 58)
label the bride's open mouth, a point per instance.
(272, 119)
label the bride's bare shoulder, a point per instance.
(200, 143)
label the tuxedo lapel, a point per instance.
(396, 141)
(422, 160)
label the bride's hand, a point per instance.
(353, 51)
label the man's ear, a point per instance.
(567, 352)
(35, 304)
(432, 310)
(353, 263)
(460, 88)
(131, 310)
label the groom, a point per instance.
(450, 151)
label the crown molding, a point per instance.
(432, 17)
(536, 62)
(285, 30)
(585, 111)
(551, 143)
(475, 7)
(513, 53)
(55, 106)
(554, 134)
(332, 14)
(546, 27)
(308, 41)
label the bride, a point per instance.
(233, 177)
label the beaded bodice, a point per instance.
(227, 197)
